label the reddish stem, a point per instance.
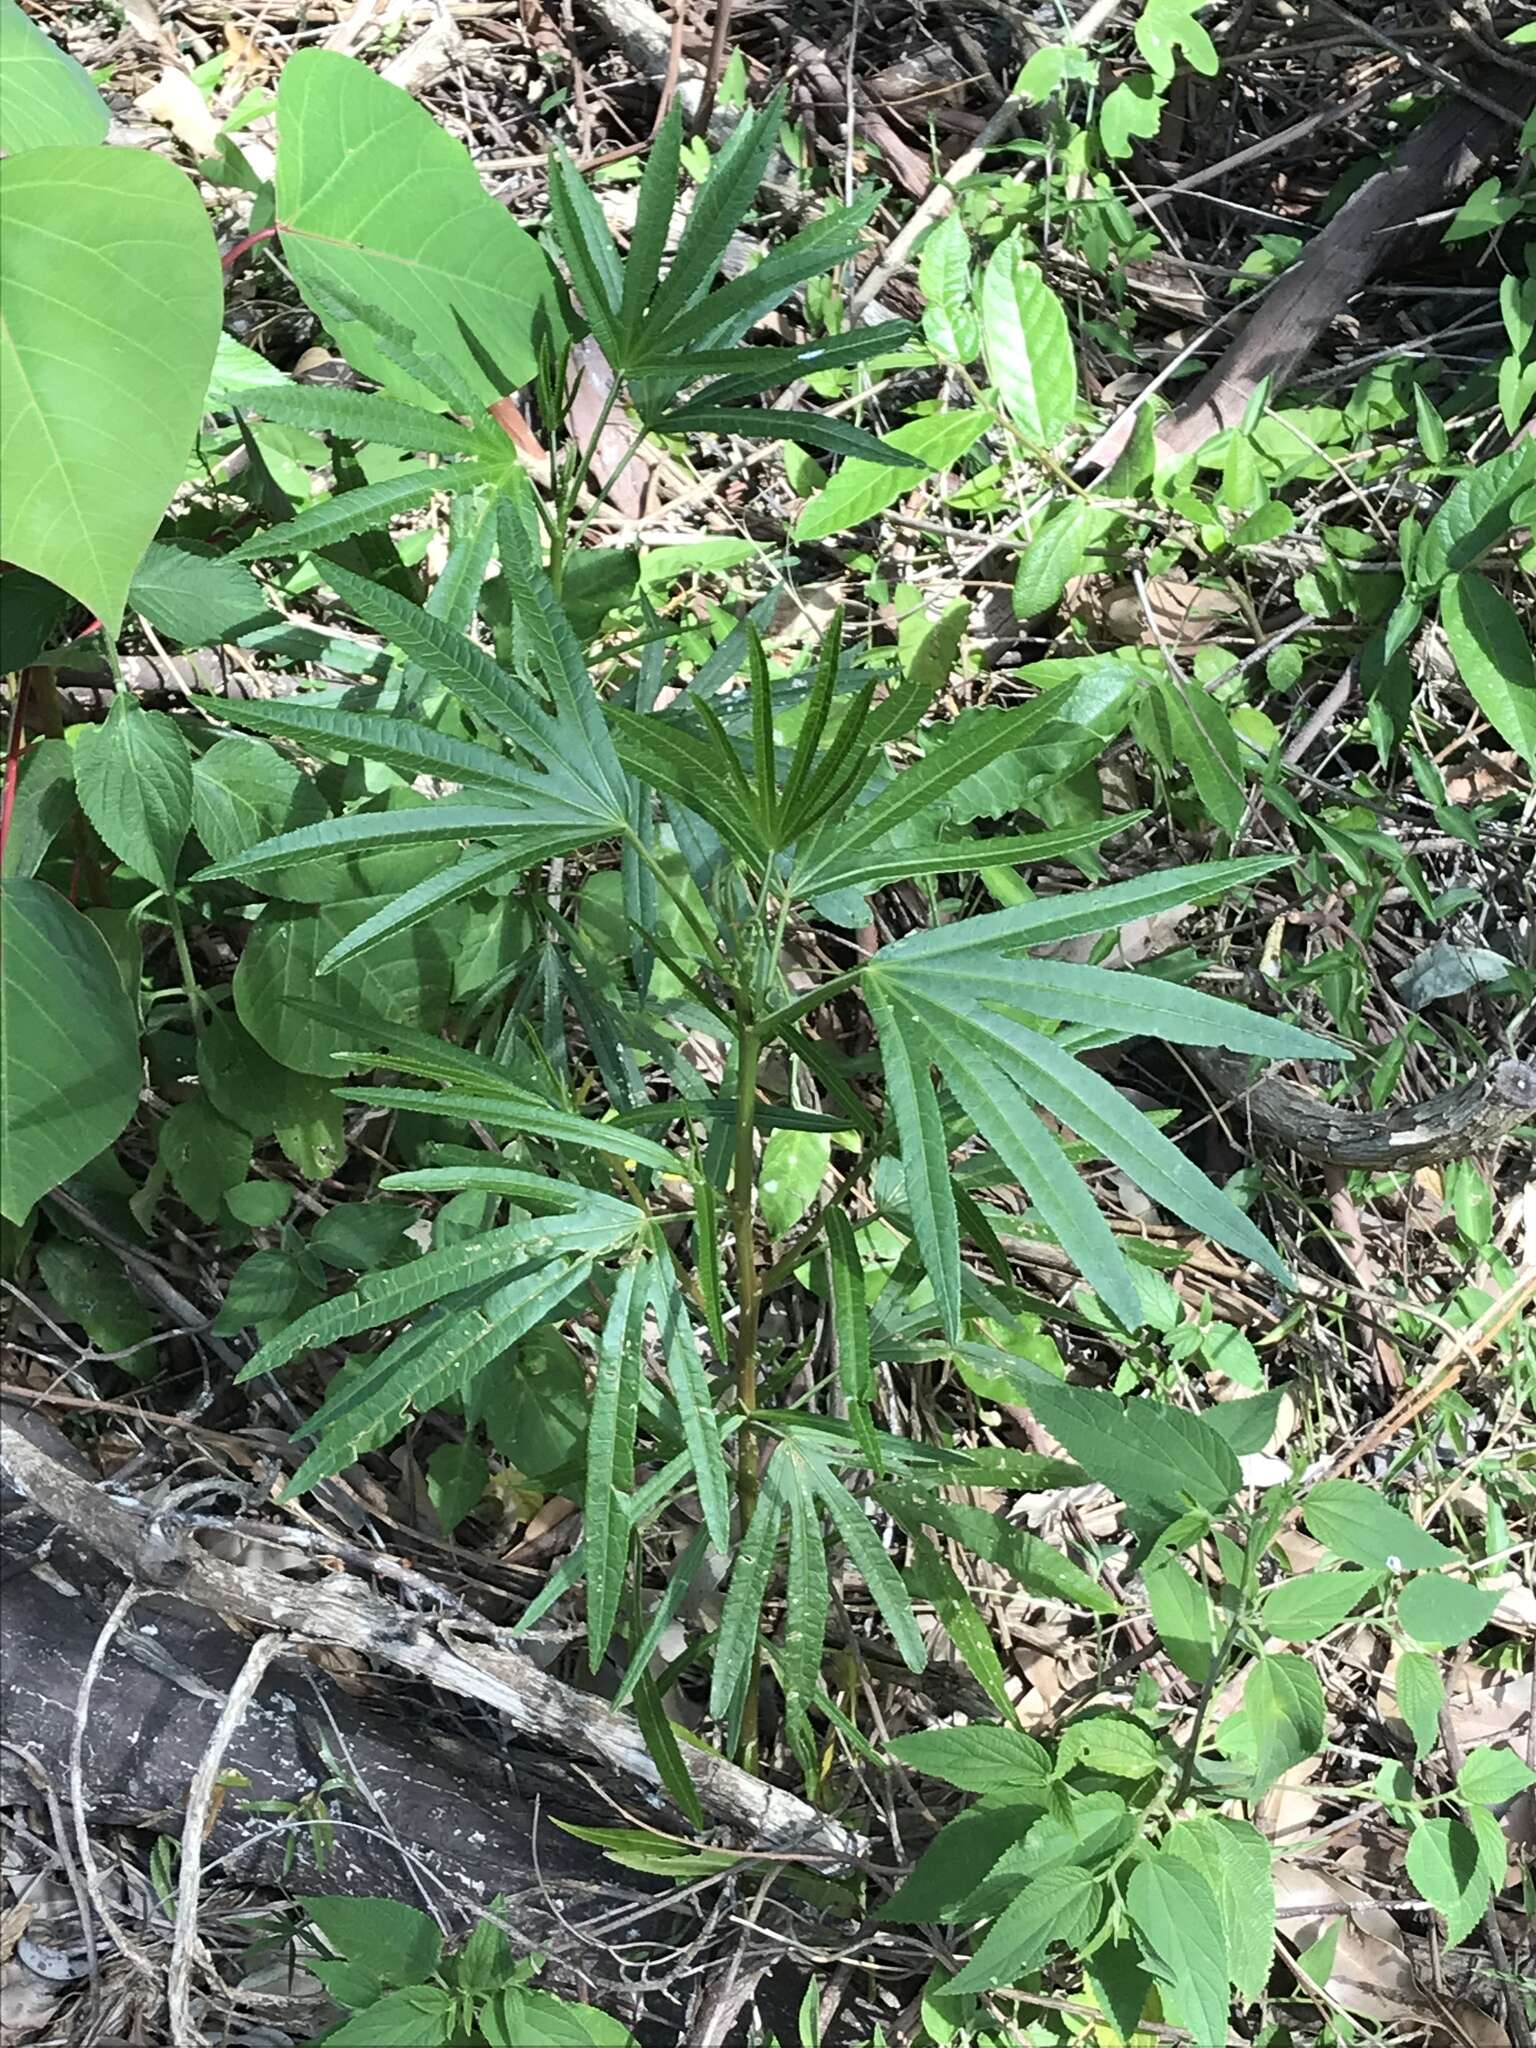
(12, 766)
(248, 242)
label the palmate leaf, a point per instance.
(933, 996)
(653, 222)
(719, 208)
(964, 856)
(868, 1554)
(695, 1406)
(924, 1155)
(360, 511)
(806, 1596)
(408, 745)
(437, 1356)
(684, 768)
(850, 1331)
(359, 415)
(588, 749)
(1063, 1201)
(464, 670)
(399, 1291)
(591, 254)
(737, 1639)
(743, 372)
(529, 834)
(732, 308)
(1089, 1105)
(611, 1456)
(974, 740)
(806, 429)
(1050, 919)
(528, 1115)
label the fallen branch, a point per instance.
(342, 1613)
(1436, 162)
(1457, 1121)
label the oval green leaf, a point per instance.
(376, 201)
(113, 296)
(66, 1092)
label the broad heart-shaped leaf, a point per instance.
(1285, 1715)
(419, 2016)
(1444, 1863)
(944, 279)
(407, 978)
(1300, 1610)
(197, 597)
(1061, 1905)
(863, 488)
(1179, 1929)
(1362, 1528)
(69, 1044)
(1441, 1611)
(1420, 1693)
(378, 201)
(1235, 1860)
(1029, 348)
(1491, 648)
(979, 1758)
(1141, 1449)
(112, 303)
(392, 1942)
(133, 776)
(45, 96)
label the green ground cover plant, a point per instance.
(541, 923)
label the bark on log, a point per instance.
(433, 1818)
(1434, 164)
(339, 1611)
(1472, 1117)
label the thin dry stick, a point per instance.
(184, 2031)
(88, 1870)
(945, 192)
(1465, 1347)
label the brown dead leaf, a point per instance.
(1373, 1974)
(1288, 1812)
(176, 103)
(1486, 1707)
(1178, 611)
(1492, 776)
(592, 381)
(13, 1924)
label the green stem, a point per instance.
(700, 931)
(184, 962)
(748, 1303)
(778, 1021)
(606, 492)
(570, 491)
